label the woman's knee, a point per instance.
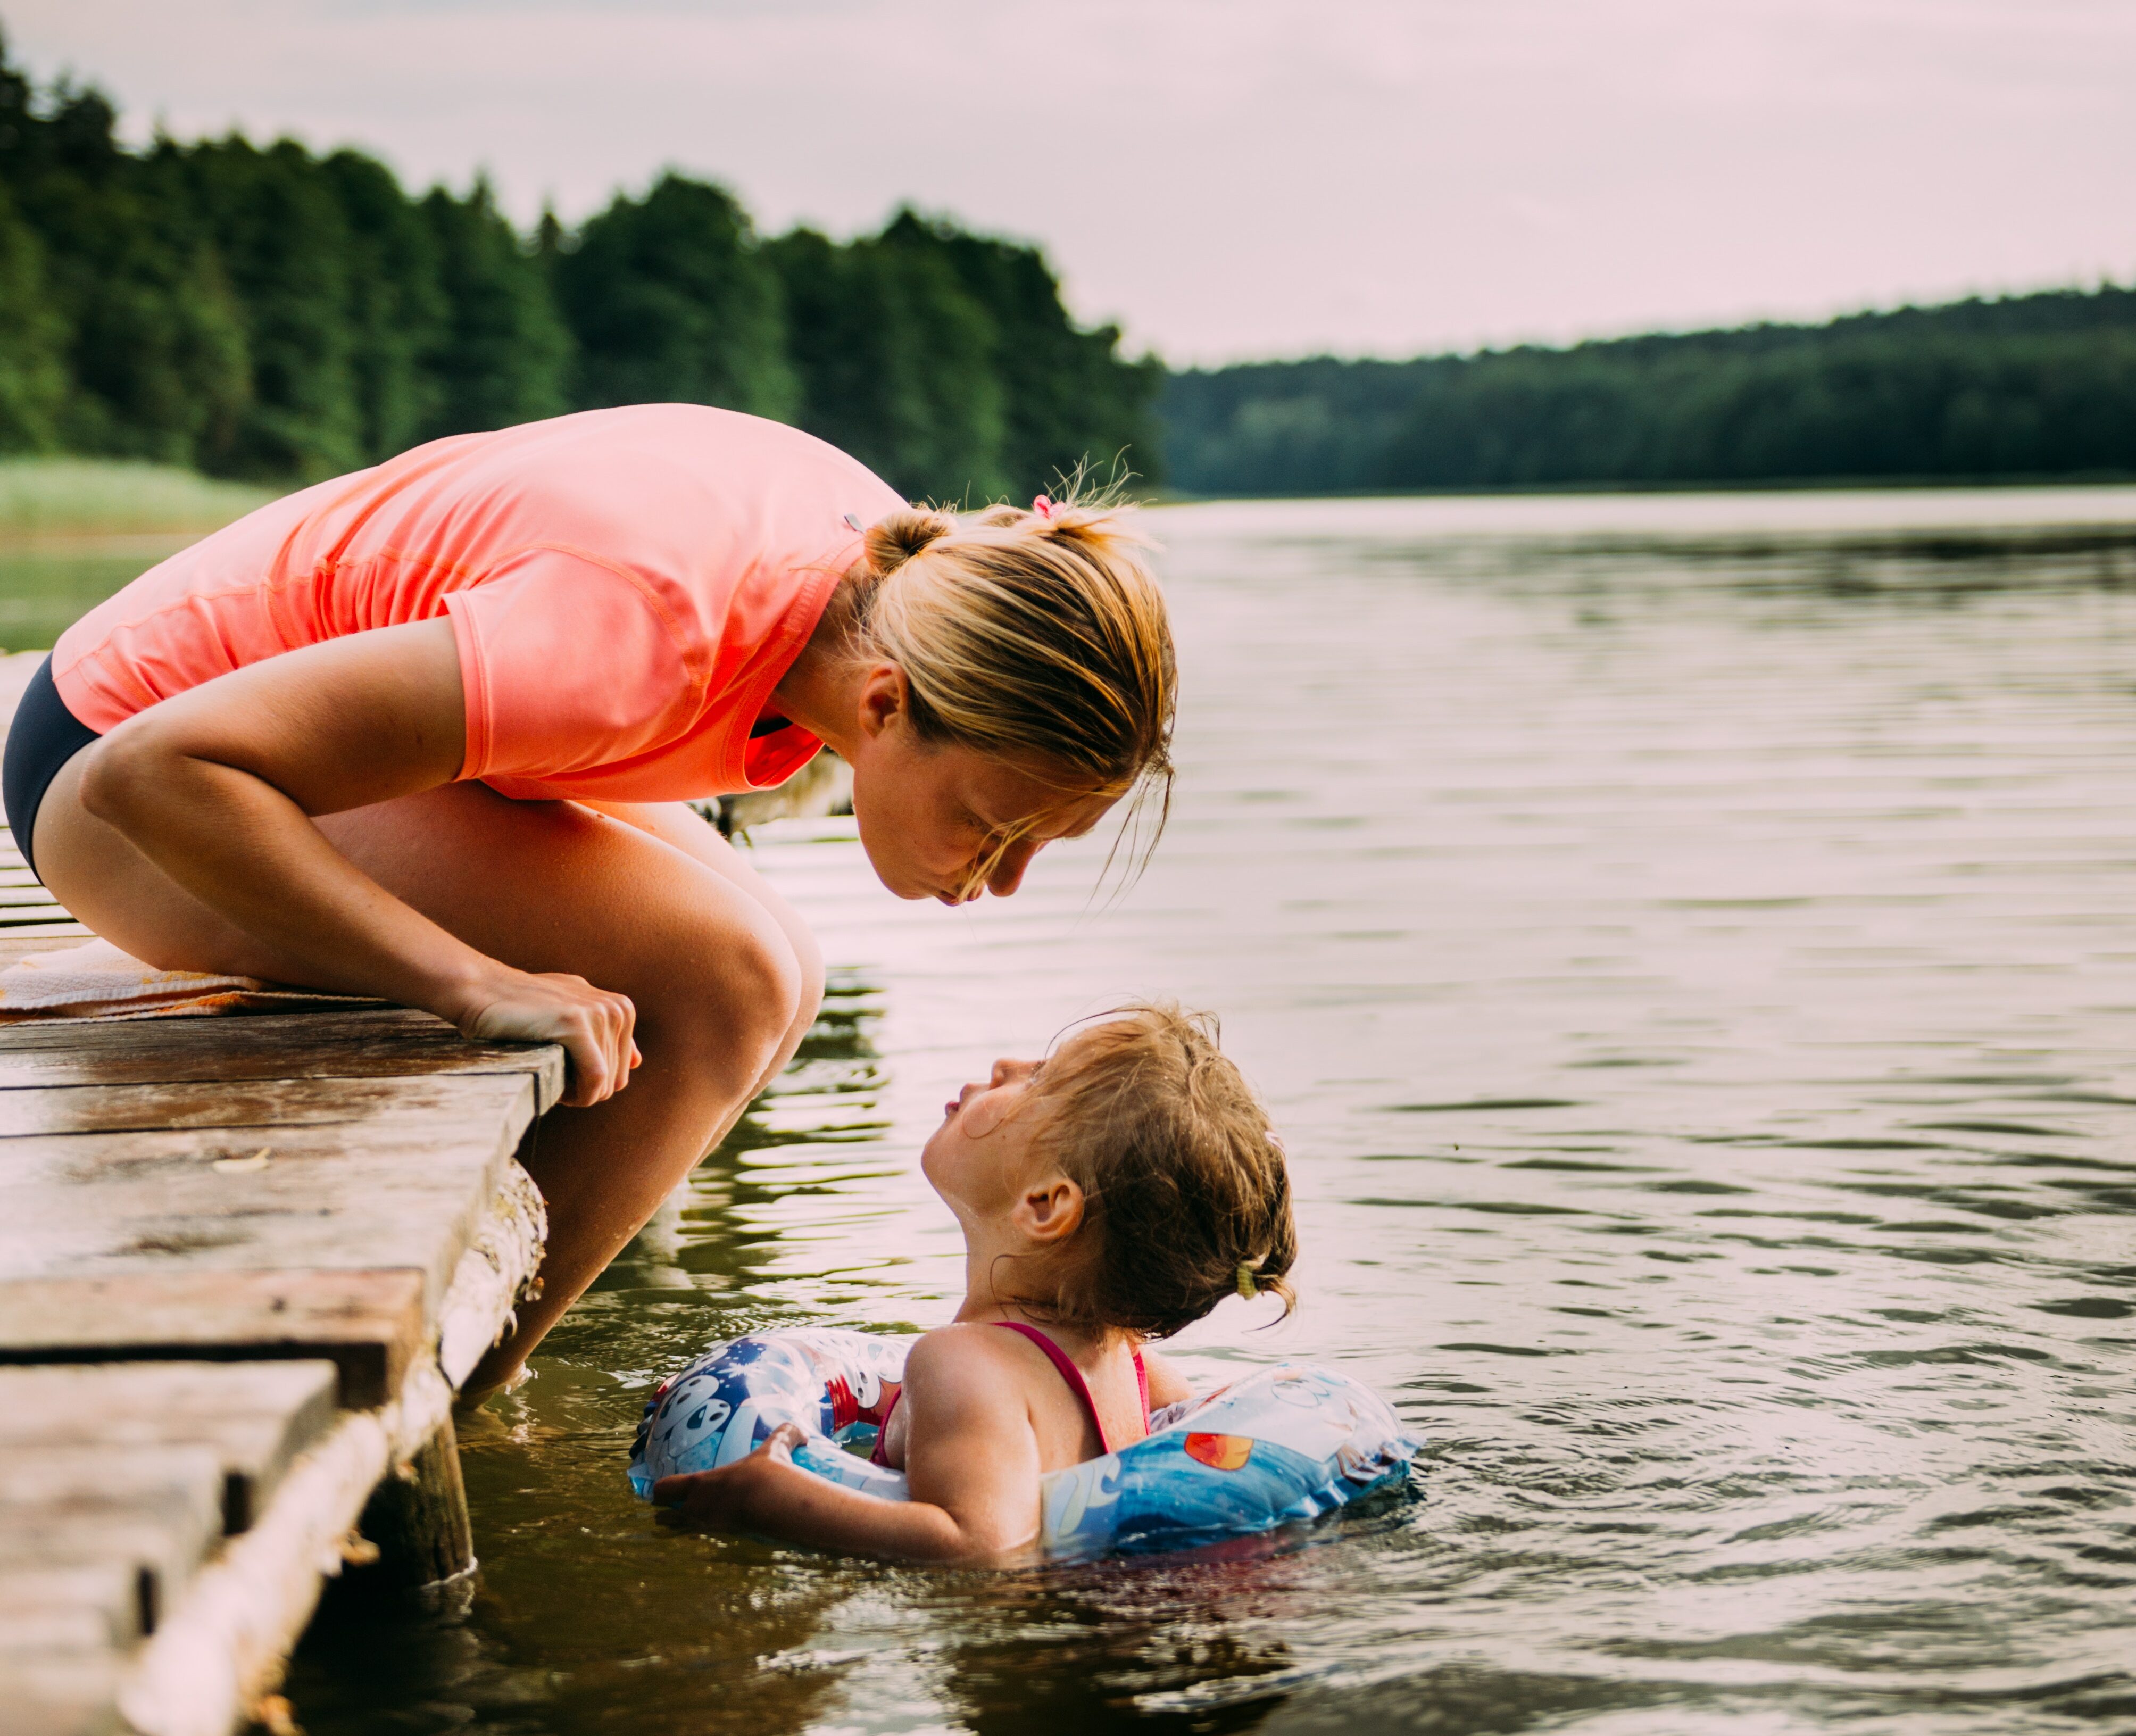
(809, 961)
(724, 1001)
(674, 824)
(808, 956)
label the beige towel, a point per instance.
(97, 981)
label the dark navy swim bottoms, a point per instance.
(43, 737)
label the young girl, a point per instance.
(427, 732)
(1113, 1193)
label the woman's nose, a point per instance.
(1008, 871)
(1007, 1071)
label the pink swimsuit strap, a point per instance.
(1073, 1376)
(1070, 1373)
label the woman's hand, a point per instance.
(594, 1025)
(724, 1499)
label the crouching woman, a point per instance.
(428, 731)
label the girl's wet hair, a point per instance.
(1184, 1183)
(1037, 636)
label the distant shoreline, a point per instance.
(1781, 485)
(2020, 389)
(2057, 515)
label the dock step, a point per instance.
(245, 1262)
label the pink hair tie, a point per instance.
(1042, 507)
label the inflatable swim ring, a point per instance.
(1281, 1443)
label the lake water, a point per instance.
(1687, 945)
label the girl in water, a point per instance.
(427, 732)
(1114, 1192)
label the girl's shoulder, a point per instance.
(969, 1366)
(963, 1341)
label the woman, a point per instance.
(426, 732)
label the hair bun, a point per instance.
(895, 538)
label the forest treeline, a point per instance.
(2037, 385)
(264, 312)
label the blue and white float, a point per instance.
(1282, 1443)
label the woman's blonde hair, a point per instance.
(1039, 636)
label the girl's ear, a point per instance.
(883, 698)
(1049, 1210)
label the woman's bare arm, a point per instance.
(218, 786)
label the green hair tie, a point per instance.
(1247, 1287)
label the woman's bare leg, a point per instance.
(679, 824)
(724, 991)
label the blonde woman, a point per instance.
(426, 732)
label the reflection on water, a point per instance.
(1696, 989)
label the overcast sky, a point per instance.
(1230, 178)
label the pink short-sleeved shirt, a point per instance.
(625, 586)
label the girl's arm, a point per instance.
(218, 787)
(971, 1460)
(767, 1493)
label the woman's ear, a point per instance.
(1049, 1210)
(884, 698)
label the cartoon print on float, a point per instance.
(1281, 1444)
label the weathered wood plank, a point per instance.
(159, 1537)
(369, 1324)
(32, 1477)
(153, 1516)
(193, 1104)
(84, 1607)
(255, 1418)
(63, 1693)
(397, 1190)
(385, 1044)
(326, 1027)
(222, 1645)
(226, 1170)
(177, 1246)
(353, 1104)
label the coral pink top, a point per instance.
(625, 586)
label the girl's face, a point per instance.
(930, 812)
(980, 1157)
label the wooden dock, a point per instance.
(245, 1261)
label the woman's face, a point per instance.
(930, 812)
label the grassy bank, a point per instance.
(73, 531)
(45, 500)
